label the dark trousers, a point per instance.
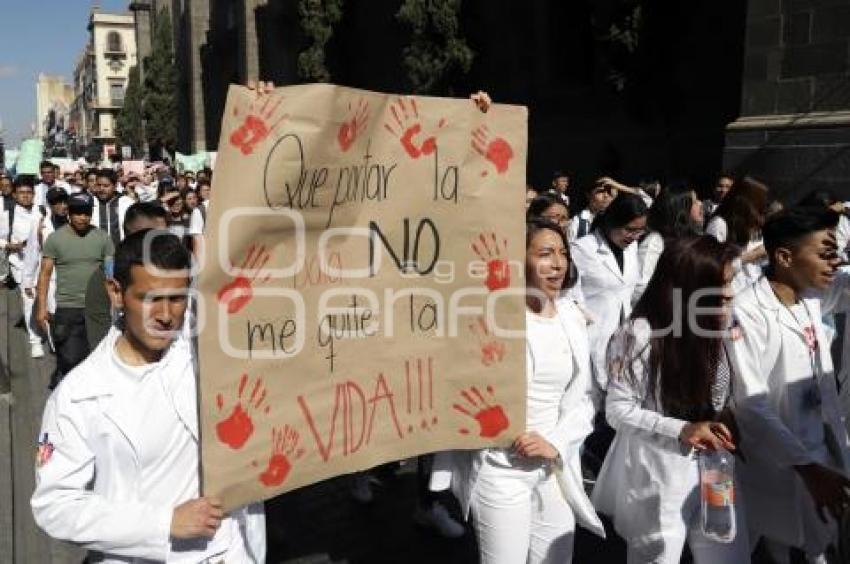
(68, 329)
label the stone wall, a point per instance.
(794, 129)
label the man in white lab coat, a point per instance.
(796, 450)
(21, 220)
(117, 459)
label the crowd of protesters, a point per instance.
(659, 327)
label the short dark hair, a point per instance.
(543, 202)
(622, 209)
(788, 227)
(56, 196)
(162, 250)
(107, 173)
(143, 210)
(46, 164)
(23, 180)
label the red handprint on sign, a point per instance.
(238, 427)
(498, 269)
(238, 292)
(255, 127)
(492, 350)
(497, 151)
(408, 126)
(354, 125)
(284, 444)
(491, 418)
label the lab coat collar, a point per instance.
(102, 382)
(767, 299)
(607, 255)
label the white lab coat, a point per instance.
(608, 293)
(575, 422)
(768, 392)
(22, 227)
(842, 236)
(40, 191)
(745, 273)
(87, 492)
(584, 216)
(124, 202)
(648, 477)
(649, 251)
(32, 259)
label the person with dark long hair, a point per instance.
(739, 219)
(668, 394)
(526, 500)
(675, 214)
(550, 207)
(609, 271)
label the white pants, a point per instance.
(520, 515)
(28, 304)
(685, 525)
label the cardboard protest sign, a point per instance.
(30, 157)
(362, 293)
(65, 164)
(10, 157)
(190, 163)
(133, 167)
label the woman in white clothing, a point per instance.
(526, 500)
(739, 219)
(667, 395)
(676, 213)
(609, 271)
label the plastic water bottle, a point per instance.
(717, 495)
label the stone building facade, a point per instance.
(197, 24)
(794, 128)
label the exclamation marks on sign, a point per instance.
(419, 385)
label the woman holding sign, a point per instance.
(526, 500)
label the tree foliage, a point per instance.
(318, 18)
(617, 30)
(160, 98)
(128, 126)
(436, 46)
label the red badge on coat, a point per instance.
(43, 452)
(811, 337)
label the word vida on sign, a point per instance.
(366, 304)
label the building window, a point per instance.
(116, 93)
(113, 42)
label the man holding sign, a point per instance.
(125, 420)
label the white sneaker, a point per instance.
(437, 517)
(37, 351)
(361, 488)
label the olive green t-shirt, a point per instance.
(75, 258)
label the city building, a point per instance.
(100, 78)
(53, 101)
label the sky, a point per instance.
(38, 36)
